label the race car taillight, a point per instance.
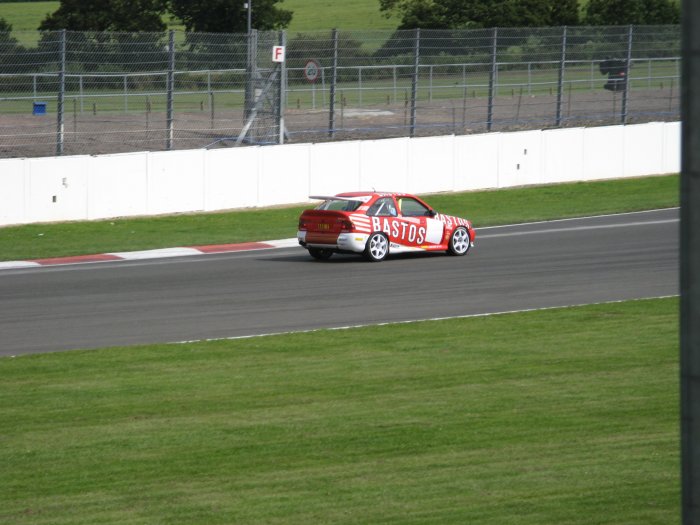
(302, 224)
(346, 226)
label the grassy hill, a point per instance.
(312, 15)
(309, 15)
(26, 16)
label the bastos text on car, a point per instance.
(376, 224)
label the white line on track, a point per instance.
(569, 219)
(412, 321)
(577, 228)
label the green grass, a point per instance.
(316, 15)
(484, 208)
(309, 15)
(26, 16)
(560, 416)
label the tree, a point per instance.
(9, 49)
(229, 16)
(8, 44)
(416, 13)
(624, 12)
(464, 14)
(107, 15)
(6, 32)
(5, 26)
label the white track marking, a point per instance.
(577, 228)
(18, 264)
(412, 321)
(156, 254)
(569, 219)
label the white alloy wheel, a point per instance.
(377, 247)
(459, 242)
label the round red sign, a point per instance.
(312, 70)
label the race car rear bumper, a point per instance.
(345, 242)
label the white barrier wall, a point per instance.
(13, 191)
(118, 185)
(152, 183)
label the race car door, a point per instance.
(417, 215)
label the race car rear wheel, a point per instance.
(459, 242)
(377, 247)
(320, 253)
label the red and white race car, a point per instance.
(376, 224)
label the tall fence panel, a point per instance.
(81, 92)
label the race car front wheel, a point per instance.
(377, 247)
(320, 253)
(459, 242)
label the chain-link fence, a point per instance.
(77, 92)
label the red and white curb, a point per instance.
(152, 254)
(288, 243)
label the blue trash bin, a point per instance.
(39, 108)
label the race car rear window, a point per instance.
(339, 205)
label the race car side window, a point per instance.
(383, 207)
(412, 208)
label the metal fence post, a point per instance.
(492, 80)
(334, 80)
(170, 87)
(61, 93)
(414, 83)
(282, 89)
(82, 96)
(209, 86)
(126, 94)
(248, 103)
(394, 80)
(560, 83)
(430, 83)
(359, 84)
(628, 65)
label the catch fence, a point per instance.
(89, 93)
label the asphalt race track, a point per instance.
(518, 267)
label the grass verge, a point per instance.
(484, 208)
(558, 416)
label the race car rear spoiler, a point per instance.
(361, 198)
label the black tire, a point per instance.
(377, 247)
(459, 242)
(320, 254)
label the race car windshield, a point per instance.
(339, 205)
